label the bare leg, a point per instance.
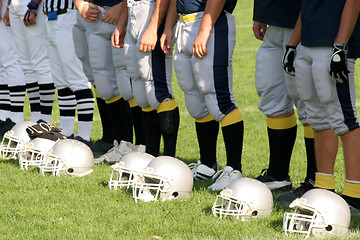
(351, 145)
(326, 147)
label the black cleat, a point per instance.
(273, 184)
(354, 204)
(6, 126)
(101, 146)
(288, 197)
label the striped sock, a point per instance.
(67, 107)
(47, 93)
(4, 102)
(85, 110)
(34, 99)
(17, 100)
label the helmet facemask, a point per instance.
(305, 220)
(225, 205)
(11, 146)
(122, 177)
(150, 187)
(31, 156)
(59, 166)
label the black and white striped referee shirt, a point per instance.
(60, 6)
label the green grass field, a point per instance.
(33, 206)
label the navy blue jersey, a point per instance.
(354, 42)
(108, 3)
(280, 13)
(320, 20)
(193, 6)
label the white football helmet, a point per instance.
(244, 198)
(70, 157)
(165, 177)
(320, 212)
(14, 140)
(126, 172)
(35, 152)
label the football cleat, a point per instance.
(273, 184)
(227, 175)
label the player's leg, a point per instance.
(15, 78)
(310, 75)
(124, 86)
(150, 121)
(216, 86)
(39, 56)
(4, 88)
(156, 69)
(66, 97)
(4, 92)
(159, 94)
(309, 137)
(137, 119)
(101, 60)
(108, 136)
(351, 141)
(73, 72)
(207, 128)
(21, 39)
(81, 32)
(277, 105)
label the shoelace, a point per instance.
(222, 176)
(193, 166)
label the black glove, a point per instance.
(338, 63)
(288, 60)
(39, 129)
(54, 136)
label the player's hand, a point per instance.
(111, 16)
(166, 41)
(199, 45)
(117, 38)
(338, 63)
(259, 30)
(6, 18)
(148, 40)
(30, 17)
(89, 11)
(288, 60)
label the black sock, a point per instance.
(207, 134)
(169, 126)
(119, 114)
(152, 132)
(137, 116)
(108, 131)
(281, 145)
(311, 159)
(233, 138)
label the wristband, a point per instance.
(33, 5)
(30, 10)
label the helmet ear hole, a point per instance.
(70, 170)
(328, 228)
(254, 213)
(175, 194)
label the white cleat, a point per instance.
(115, 154)
(228, 175)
